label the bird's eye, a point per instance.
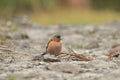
(117, 51)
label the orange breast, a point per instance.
(54, 47)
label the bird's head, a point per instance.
(57, 38)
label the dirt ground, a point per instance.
(21, 40)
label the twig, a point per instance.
(80, 56)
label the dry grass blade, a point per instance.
(79, 56)
(114, 53)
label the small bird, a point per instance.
(54, 46)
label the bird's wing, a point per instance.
(48, 43)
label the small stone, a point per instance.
(65, 67)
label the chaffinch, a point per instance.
(54, 45)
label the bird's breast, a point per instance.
(54, 47)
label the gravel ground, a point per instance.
(27, 40)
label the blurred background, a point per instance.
(49, 12)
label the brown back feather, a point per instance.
(48, 44)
